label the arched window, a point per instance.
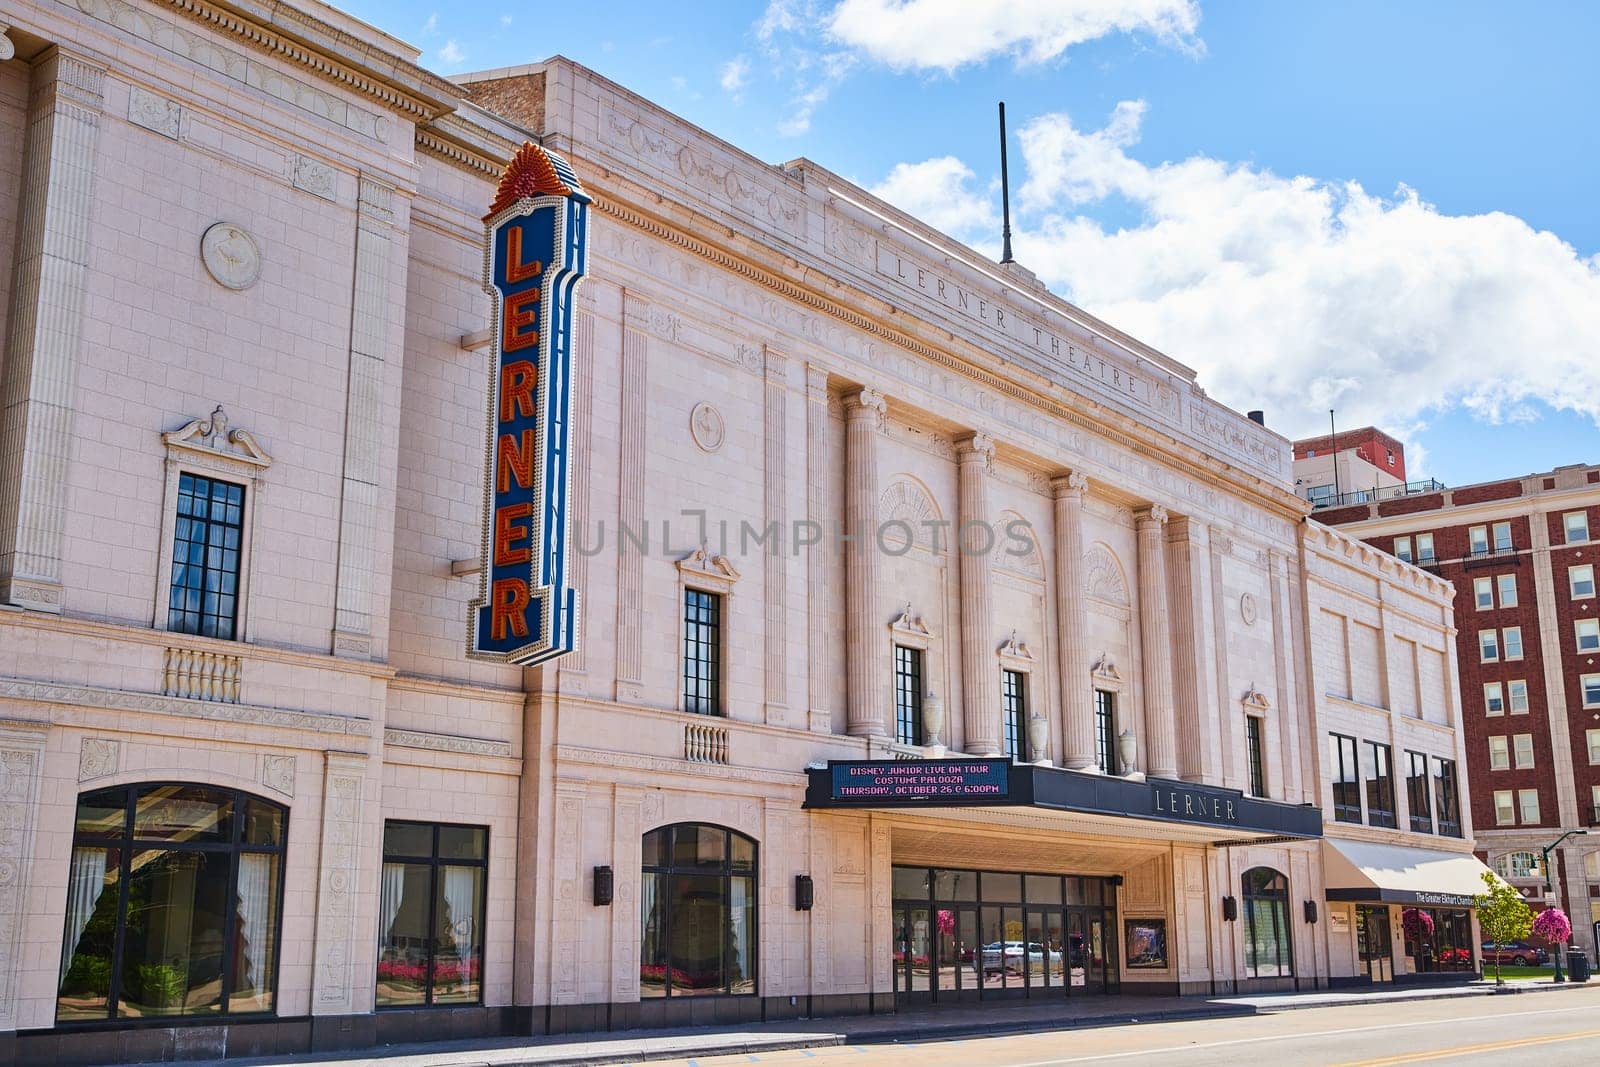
(1516, 865)
(1267, 952)
(174, 898)
(697, 907)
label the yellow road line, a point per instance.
(1471, 1050)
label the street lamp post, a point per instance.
(1550, 891)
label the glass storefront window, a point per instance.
(431, 905)
(697, 912)
(1267, 952)
(1438, 939)
(174, 904)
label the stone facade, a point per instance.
(754, 346)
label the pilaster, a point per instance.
(866, 654)
(46, 325)
(775, 556)
(1072, 624)
(21, 777)
(1199, 750)
(980, 670)
(361, 488)
(630, 498)
(819, 643)
(1553, 642)
(333, 983)
(1155, 631)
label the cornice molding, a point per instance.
(92, 696)
(328, 51)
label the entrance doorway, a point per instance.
(981, 935)
(1374, 943)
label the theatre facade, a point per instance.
(931, 640)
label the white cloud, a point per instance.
(451, 53)
(1298, 294)
(506, 20)
(735, 72)
(940, 192)
(431, 26)
(946, 34)
(822, 74)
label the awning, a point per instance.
(1395, 874)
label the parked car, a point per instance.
(1008, 956)
(1519, 953)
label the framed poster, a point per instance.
(1145, 943)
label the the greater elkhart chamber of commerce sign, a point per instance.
(963, 781)
(534, 255)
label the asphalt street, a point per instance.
(1552, 1030)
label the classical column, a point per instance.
(368, 435)
(1072, 625)
(1160, 721)
(22, 749)
(867, 654)
(1194, 689)
(980, 669)
(820, 640)
(775, 561)
(60, 151)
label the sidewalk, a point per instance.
(908, 1025)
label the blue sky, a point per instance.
(1383, 208)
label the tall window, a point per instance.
(1105, 731)
(431, 907)
(1488, 646)
(1528, 802)
(1499, 753)
(1252, 740)
(1483, 593)
(702, 652)
(908, 695)
(1447, 797)
(1494, 701)
(1591, 690)
(1417, 794)
(1576, 524)
(1478, 540)
(1346, 778)
(1425, 549)
(1402, 548)
(1505, 807)
(1522, 751)
(1588, 634)
(1517, 691)
(1580, 581)
(697, 912)
(1380, 784)
(1507, 584)
(1014, 700)
(204, 596)
(1502, 537)
(174, 900)
(1512, 636)
(1267, 952)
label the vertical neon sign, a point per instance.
(535, 237)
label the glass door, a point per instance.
(1004, 960)
(957, 956)
(919, 951)
(1374, 944)
(1042, 951)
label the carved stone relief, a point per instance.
(230, 255)
(1102, 576)
(154, 113)
(98, 757)
(706, 427)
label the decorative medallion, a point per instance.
(706, 427)
(1248, 610)
(230, 255)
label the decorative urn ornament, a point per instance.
(1127, 750)
(933, 720)
(1039, 738)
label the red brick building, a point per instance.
(1523, 555)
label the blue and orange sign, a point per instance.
(534, 256)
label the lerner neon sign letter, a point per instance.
(534, 256)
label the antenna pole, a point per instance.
(1005, 190)
(1333, 447)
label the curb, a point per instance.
(937, 1032)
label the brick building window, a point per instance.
(1378, 770)
(1591, 690)
(1402, 548)
(907, 695)
(1499, 753)
(1516, 865)
(1522, 751)
(1588, 634)
(1478, 540)
(1517, 690)
(702, 652)
(207, 544)
(1502, 537)
(1576, 524)
(1447, 797)
(1580, 581)
(1346, 778)
(1593, 737)
(1425, 549)
(1417, 798)
(1511, 636)
(1014, 709)
(1528, 802)
(1505, 807)
(1483, 593)
(1488, 646)
(1508, 590)
(1494, 701)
